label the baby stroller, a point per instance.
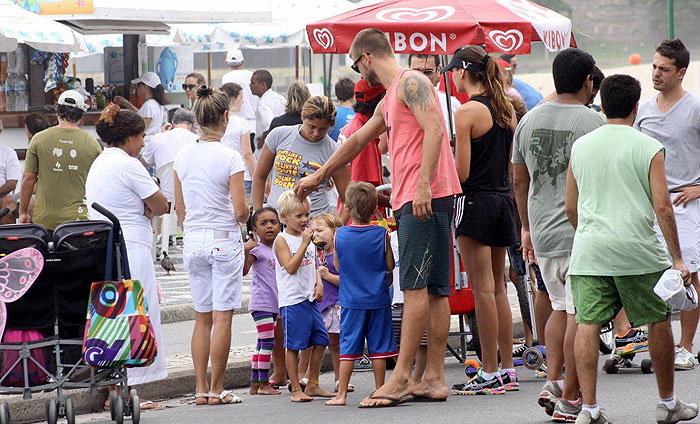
(75, 255)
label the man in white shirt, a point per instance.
(163, 148)
(271, 103)
(429, 65)
(235, 61)
(10, 173)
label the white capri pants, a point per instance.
(214, 262)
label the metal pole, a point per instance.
(296, 62)
(209, 68)
(671, 24)
(448, 95)
(131, 61)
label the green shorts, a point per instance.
(599, 299)
(425, 247)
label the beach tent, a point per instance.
(22, 26)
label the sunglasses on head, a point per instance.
(354, 64)
(188, 87)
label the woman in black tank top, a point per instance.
(484, 216)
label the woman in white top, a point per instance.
(119, 182)
(210, 202)
(150, 89)
(237, 134)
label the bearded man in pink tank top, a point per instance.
(424, 182)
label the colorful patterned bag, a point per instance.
(118, 331)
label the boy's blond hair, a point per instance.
(361, 200)
(331, 220)
(289, 201)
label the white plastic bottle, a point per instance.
(10, 92)
(21, 93)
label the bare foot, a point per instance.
(301, 397)
(338, 400)
(254, 388)
(266, 389)
(431, 389)
(315, 390)
(394, 388)
(278, 382)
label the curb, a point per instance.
(185, 312)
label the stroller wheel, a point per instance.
(4, 413)
(112, 402)
(119, 410)
(135, 407)
(70, 411)
(51, 411)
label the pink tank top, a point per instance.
(405, 141)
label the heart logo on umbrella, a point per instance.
(323, 37)
(409, 14)
(507, 40)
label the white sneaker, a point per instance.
(682, 412)
(684, 359)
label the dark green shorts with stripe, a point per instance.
(425, 247)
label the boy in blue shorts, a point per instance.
(363, 259)
(299, 287)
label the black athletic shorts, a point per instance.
(425, 247)
(486, 217)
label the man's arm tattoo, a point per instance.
(419, 94)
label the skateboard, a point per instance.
(623, 358)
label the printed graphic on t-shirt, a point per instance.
(552, 149)
(290, 168)
(308, 258)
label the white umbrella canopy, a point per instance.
(143, 17)
(18, 25)
(287, 28)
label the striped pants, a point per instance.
(265, 324)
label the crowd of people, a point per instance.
(602, 203)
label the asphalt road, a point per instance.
(628, 397)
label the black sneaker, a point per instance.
(363, 364)
(478, 385)
(518, 350)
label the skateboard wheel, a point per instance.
(533, 358)
(610, 366)
(471, 367)
(647, 367)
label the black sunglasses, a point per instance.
(188, 87)
(426, 71)
(354, 65)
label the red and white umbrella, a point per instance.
(440, 27)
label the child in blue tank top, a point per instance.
(363, 257)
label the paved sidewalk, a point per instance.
(175, 288)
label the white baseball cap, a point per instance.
(234, 57)
(73, 99)
(151, 79)
(671, 289)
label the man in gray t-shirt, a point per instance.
(673, 118)
(541, 151)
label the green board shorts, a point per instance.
(425, 247)
(599, 299)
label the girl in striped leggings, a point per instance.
(263, 304)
